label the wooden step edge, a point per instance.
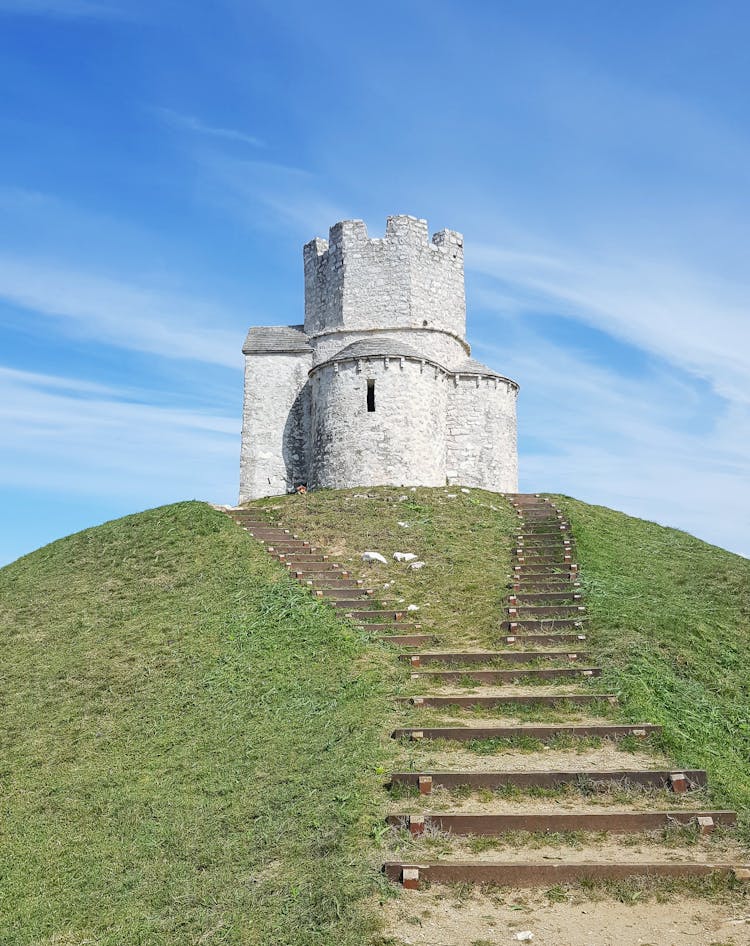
(615, 822)
(471, 733)
(544, 699)
(411, 875)
(678, 782)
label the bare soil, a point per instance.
(437, 917)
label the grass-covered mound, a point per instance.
(190, 744)
(671, 622)
(193, 747)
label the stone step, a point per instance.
(545, 873)
(616, 822)
(542, 733)
(617, 778)
(530, 674)
(487, 656)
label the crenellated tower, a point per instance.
(377, 386)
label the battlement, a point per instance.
(402, 280)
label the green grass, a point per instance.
(193, 748)
(465, 542)
(670, 618)
(191, 745)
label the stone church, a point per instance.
(378, 386)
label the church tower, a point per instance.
(377, 386)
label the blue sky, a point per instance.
(164, 162)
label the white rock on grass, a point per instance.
(451, 495)
(404, 556)
(374, 557)
(465, 490)
(417, 565)
(525, 936)
(413, 607)
(404, 525)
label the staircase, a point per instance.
(501, 775)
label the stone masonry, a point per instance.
(378, 386)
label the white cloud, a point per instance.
(117, 313)
(66, 436)
(691, 320)
(192, 124)
(645, 445)
(270, 195)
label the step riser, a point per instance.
(535, 875)
(546, 610)
(376, 616)
(346, 604)
(544, 624)
(540, 588)
(517, 657)
(509, 676)
(542, 733)
(331, 586)
(407, 640)
(549, 780)
(319, 568)
(300, 559)
(533, 599)
(615, 822)
(468, 702)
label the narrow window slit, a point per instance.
(370, 395)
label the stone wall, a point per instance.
(446, 350)
(392, 311)
(275, 424)
(481, 447)
(403, 280)
(401, 443)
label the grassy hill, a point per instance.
(190, 744)
(671, 621)
(193, 748)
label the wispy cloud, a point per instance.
(62, 431)
(197, 126)
(643, 445)
(692, 320)
(125, 315)
(270, 195)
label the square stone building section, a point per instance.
(377, 386)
